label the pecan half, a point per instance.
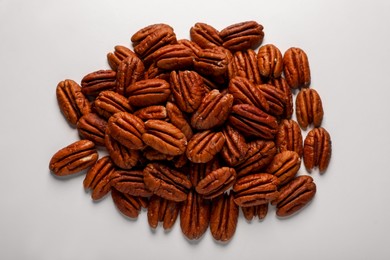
(276, 99)
(224, 217)
(127, 129)
(296, 68)
(121, 156)
(317, 149)
(95, 82)
(259, 211)
(148, 92)
(120, 53)
(157, 112)
(211, 62)
(93, 128)
(178, 119)
(206, 36)
(109, 102)
(130, 70)
(285, 166)
(194, 216)
(255, 189)
(164, 137)
(309, 108)
(289, 137)
(130, 182)
(203, 146)
(213, 111)
(252, 121)
(270, 61)
(154, 72)
(281, 84)
(244, 64)
(73, 158)
(98, 178)
(162, 210)
(235, 147)
(294, 196)
(127, 204)
(242, 36)
(166, 182)
(216, 182)
(72, 102)
(174, 57)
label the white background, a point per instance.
(43, 42)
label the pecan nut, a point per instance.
(130, 182)
(255, 189)
(289, 137)
(166, 182)
(74, 158)
(317, 149)
(309, 108)
(127, 204)
(244, 64)
(216, 182)
(72, 102)
(157, 112)
(281, 84)
(120, 53)
(203, 146)
(294, 196)
(93, 128)
(242, 36)
(296, 68)
(276, 99)
(259, 211)
(162, 210)
(109, 102)
(174, 57)
(284, 166)
(178, 119)
(148, 92)
(121, 156)
(95, 82)
(270, 61)
(130, 70)
(235, 147)
(211, 62)
(200, 170)
(206, 36)
(224, 217)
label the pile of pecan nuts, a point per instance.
(196, 128)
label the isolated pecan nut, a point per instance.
(73, 158)
(166, 182)
(127, 204)
(216, 182)
(289, 137)
(130, 70)
(206, 36)
(296, 68)
(121, 156)
(284, 166)
(235, 148)
(109, 102)
(204, 145)
(309, 108)
(270, 61)
(224, 217)
(95, 82)
(259, 211)
(157, 112)
(244, 64)
(294, 196)
(120, 53)
(130, 182)
(242, 36)
(72, 102)
(317, 149)
(148, 92)
(162, 210)
(255, 189)
(93, 128)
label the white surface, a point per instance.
(43, 42)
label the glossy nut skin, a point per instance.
(130, 182)
(162, 210)
(289, 137)
(95, 82)
(309, 108)
(93, 128)
(216, 182)
(244, 64)
(72, 102)
(224, 217)
(296, 68)
(294, 196)
(255, 189)
(206, 36)
(235, 148)
(109, 102)
(118, 55)
(174, 57)
(148, 92)
(157, 112)
(121, 156)
(317, 149)
(270, 61)
(127, 204)
(204, 145)
(130, 70)
(284, 166)
(242, 36)
(73, 158)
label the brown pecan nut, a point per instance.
(74, 158)
(152, 112)
(178, 119)
(120, 53)
(244, 64)
(242, 36)
(309, 108)
(150, 38)
(224, 217)
(270, 61)
(148, 92)
(127, 129)
(187, 89)
(296, 68)
(93, 128)
(284, 166)
(154, 72)
(289, 137)
(203, 146)
(259, 211)
(253, 122)
(72, 102)
(200, 170)
(190, 44)
(317, 149)
(130, 182)
(206, 36)
(95, 82)
(194, 216)
(259, 156)
(211, 62)
(235, 147)
(166, 182)
(255, 189)
(174, 57)
(98, 178)
(276, 99)
(162, 210)
(164, 137)
(127, 204)
(294, 196)
(281, 84)
(121, 156)
(213, 111)
(216, 182)
(246, 92)
(130, 70)
(109, 102)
